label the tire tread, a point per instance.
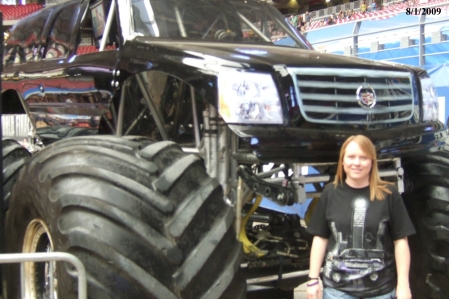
(139, 210)
(428, 203)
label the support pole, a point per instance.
(108, 25)
(355, 38)
(2, 206)
(422, 40)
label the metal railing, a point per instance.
(52, 2)
(419, 25)
(47, 257)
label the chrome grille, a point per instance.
(328, 95)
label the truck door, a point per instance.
(78, 83)
(22, 56)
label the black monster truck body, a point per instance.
(231, 83)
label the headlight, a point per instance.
(249, 98)
(430, 100)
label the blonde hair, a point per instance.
(377, 186)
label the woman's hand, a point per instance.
(403, 292)
(314, 292)
(317, 253)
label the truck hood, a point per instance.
(213, 57)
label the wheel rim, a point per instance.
(38, 276)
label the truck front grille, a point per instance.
(329, 95)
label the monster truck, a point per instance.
(161, 120)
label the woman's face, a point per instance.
(357, 165)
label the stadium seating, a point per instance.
(17, 12)
(85, 49)
(386, 12)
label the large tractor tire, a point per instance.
(51, 134)
(427, 200)
(145, 219)
(14, 157)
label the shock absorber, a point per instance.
(223, 154)
(213, 142)
(206, 140)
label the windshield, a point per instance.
(241, 21)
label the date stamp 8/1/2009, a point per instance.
(417, 11)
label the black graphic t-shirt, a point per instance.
(360, 252)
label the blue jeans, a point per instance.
(330, 293)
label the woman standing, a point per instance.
(363, 7)
(360, 229)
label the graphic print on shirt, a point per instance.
(358, 254)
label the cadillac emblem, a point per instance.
(366, 97)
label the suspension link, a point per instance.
(279, 194)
